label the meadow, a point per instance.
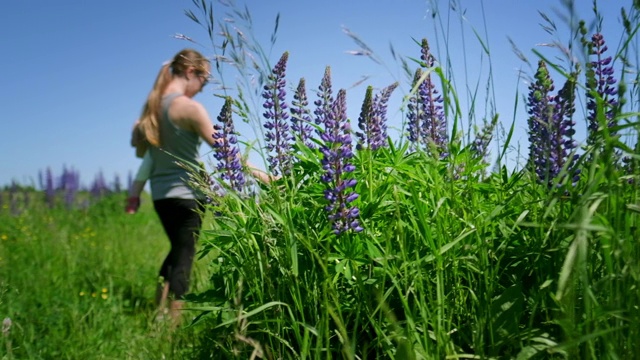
(366, 247)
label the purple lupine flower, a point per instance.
(480, 145)
(563, 138)
(49, 188)
(226, 148)
(373, 119)
(364, 120)
(600, 80)
(300, 119)
(434, 125)
(70, 184)
(427, 125)
(117, 184)
(540, 110)
(99, 186)
(325, 101)
(551, 127)
(414, 113)
(278, 135)
(378, 129)
(337, 152)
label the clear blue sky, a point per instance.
(75, 73)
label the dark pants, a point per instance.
(182, 220)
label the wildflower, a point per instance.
(600, 80)
(70, 184)
(373, 118)
(414, 133)
(325, 101)
(336, 152)
(278, 135)
(49, 190)
(427, 125)
(226, 149)
(81, 293)
(99, 186)
(479, 147)
(300, 119)
(550, 126)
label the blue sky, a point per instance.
(75, 73)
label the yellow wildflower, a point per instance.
(81, 293)
(104, 296)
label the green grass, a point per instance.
(80, 284)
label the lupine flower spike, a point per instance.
(426, 125)
(480, 145)
(278, 135)
(300, 118)
(600, 80)
(434, 123)
(550, 126)
(373, 118)
(226, 148)
(337, 152)
(325, 98)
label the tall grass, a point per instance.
(453, 262)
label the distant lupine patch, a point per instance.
(426, 121)
(337, 152)
(70, 185)
(49, 188)
(325, 98)
(99, 186)
(226, 149)
(117, 184)
(600, 80)
(550, 126)
(373, 118)
(300, 118)
(278, 135)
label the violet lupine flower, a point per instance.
(551, 127)
(480, 145)
(426, 125)
(540, 110)
(99, 186)
(563, 140)
(373, 118)
(117, 184)
(378, 133)
(70, 184)
(226, 148)
(49, 188)
(278, 135)
(600, 80)
(414, 132)
(364, 120)
(336, 152)
(325, 102)
(300, 119)
(434, 125)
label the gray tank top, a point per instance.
(179, 148)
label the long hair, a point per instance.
(149, 125)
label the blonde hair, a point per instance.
(149, 120)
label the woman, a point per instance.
(172, 126)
